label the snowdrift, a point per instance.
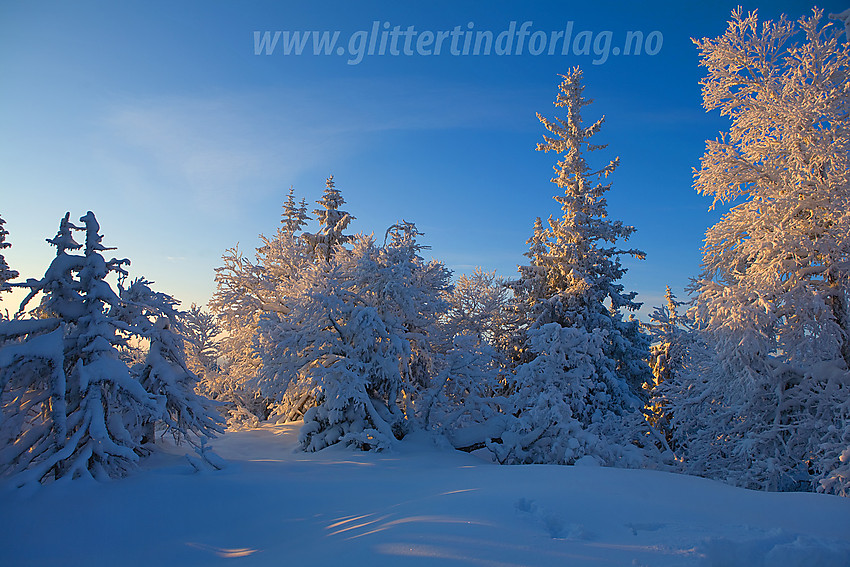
(419, 504)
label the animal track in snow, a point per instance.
(645, 527)
(554, 523)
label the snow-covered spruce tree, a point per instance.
(578, 388)
(153, 316)
(71, 407)
(772, 298)
(284, 260)
(528, 291)
(202, 331)
(6, 273)
(294, 217)
(33, 423)
(88, 413)
(663, 328)
(414, 292)
(355, 361)
(672, 338)
(387, 327)
(237, 304)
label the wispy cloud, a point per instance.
(203, 147)
(221, 149)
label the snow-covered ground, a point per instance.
(419, 504)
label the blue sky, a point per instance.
(161, 119)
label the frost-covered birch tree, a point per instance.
(358, 337)
(253, 292)
(480, 305)
(772, 299)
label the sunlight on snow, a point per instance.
(335, 462)
(657, 549)
(377, 524)
(457, 553)
(223, 551)
(349, 526)
(419, 550)
(456, 548)
(459, 491)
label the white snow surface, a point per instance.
(420, 503)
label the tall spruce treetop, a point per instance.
(581, 257)
(333, 220)
(64, 239)
(62, 291)
(294, 216)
